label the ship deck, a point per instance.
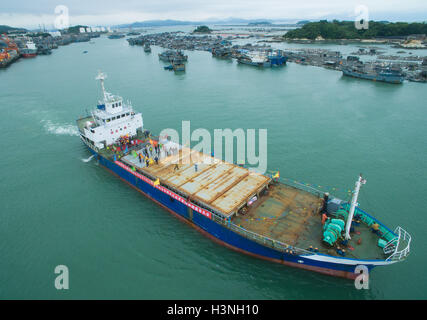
(219, 185)
(283, 213)
(292, 216)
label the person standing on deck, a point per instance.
(325, 203)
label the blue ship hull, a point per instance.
(335, 266)
(374, 77)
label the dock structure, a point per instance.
(217, 185)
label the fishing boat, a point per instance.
(265, 216)
(263, 59)
(257, 59)
(222, 53)
(178, 65)
(375, 73)
(147, 47)
(171, 55)
(116, 36)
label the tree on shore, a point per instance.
(346, 30)
(202, 29)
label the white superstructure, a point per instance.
(111, 119)
(31, 45)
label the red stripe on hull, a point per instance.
(28, 55)
(330, 272)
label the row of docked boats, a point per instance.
(272, 58)
(264, 59)
(176, 58)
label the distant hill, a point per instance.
(165, 23)
(346, 30)
(260, 23)
(202, 29)
(156, 23)
(7, 29)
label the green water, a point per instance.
(322, 129)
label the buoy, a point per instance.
(359, 241)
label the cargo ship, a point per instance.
(264, 216)
(30, 51)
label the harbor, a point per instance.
(28, 45)
(412, 68)
(324, 128)
(251, 49)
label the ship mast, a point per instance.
(359, 183)
(101, 77)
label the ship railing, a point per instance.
(275, 244)
(398, 248)
(299, 185)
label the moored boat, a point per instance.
(263, 59)
(171, 55)
(116, 36)
(30, 51)
(377, 73)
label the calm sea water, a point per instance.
(322, 129)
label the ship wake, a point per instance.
(88, 159)
(60, 129)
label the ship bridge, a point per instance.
(110, 120)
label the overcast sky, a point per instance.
(30, 13)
